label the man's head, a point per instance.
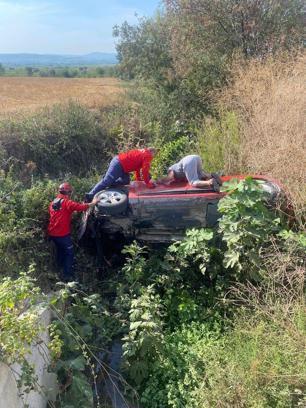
(170, 175)
(65, 189)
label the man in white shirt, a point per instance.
(190, 167)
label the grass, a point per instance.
(31, 93)
(269, 99)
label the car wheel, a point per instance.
(111, 202)
(272, 190)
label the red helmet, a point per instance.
(65, 188)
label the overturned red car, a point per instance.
(162, 214)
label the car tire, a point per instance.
(112, 202)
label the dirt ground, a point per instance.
(31, 93)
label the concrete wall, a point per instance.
(46, 385)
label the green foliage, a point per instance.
(142, 49)
(134, 266)
(21, 304)
(218, 142)
(19, 317)
(58, 140)
(24, 215)
(223, 27)
(261, 362)
(154, 109)
(91, 71)
(198, 278)
(82, 326)
(246, 225)
(195, 85)
(169, 154)
(184, 53)
(179, 368)
(144, 338)
(195, 248)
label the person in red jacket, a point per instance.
(59, 228)
(138, 161)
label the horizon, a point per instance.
(69, 27)
(58, 54)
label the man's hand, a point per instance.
(94, 202)
(151, 185)
(164, 182)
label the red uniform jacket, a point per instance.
(136, 160)
(60, 219)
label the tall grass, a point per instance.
(269, 99)
(261, 361)
(218, 142)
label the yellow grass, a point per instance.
(270, 99)
(31, 93)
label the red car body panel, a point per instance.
(164, 213)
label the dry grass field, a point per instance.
(270, 100)
(31, 93)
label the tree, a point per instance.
(253, 27)
(2, 70)
(29, 71)
(52, 72)
(146, 52)
(143, 49)
(185, 52)
(100, 71)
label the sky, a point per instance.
(66, 26)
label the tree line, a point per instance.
(187, 48)
(57, 71)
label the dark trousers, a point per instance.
(114, 176)
(64, 255)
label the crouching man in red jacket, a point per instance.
(60, 211)
(138, 161)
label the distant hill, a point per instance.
(94, 58)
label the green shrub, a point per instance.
(260, 363)
(180, 367)
(81, 327)
(19, 317)
(218, 143)
(143, 341)
(246, 225)
(23, 225)
(57, 140)
(24, 215)
(169, 154)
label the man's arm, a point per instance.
(166, 180)
(137, 175)
(146, 170)
(79, 207)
